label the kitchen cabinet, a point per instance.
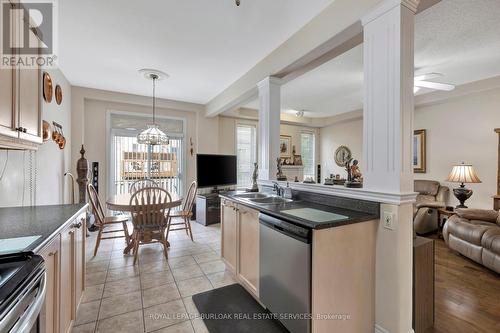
(248, 248)
(229, 248)
(7, 114)
(20, 104)
(49, 316)
(240, 243)
(341, 267)
(65, 263)
(29, 108)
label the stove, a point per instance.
(22, 292)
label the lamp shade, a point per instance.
(463, 173)
(152, 135)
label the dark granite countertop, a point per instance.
(353, 216)
(44, 221)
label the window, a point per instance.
(130, 161)
(246, 151)
(307, 150)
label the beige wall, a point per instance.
(458, 129)
(51, 162)
(89, 126)
(346, 133)
(461, 129)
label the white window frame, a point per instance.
(110, 157)
(314, 134)
(253, 124)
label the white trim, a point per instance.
(353, 193)
(269, 80)
(380, 329)
(292, 167)
(386, 6)
(245, 98)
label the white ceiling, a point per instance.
(205, 45)
(458, 38)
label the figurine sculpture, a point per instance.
(82, 169)
(279, 174)
(255, 175)
(353, 174)
(348, 169)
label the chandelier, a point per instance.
(153, 135)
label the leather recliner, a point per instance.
(475, 233)
(431, 196)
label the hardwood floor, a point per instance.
(467, 295)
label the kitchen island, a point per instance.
(57, 234)
(338, 260)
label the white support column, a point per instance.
(387, 145)
(269, 126)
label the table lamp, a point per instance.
(463, 173)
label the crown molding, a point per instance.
(386, 6)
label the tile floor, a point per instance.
(155, 294)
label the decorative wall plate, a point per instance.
(47, 87)
(59, 95)
(342, 155)
(46, 131)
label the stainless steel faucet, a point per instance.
(278, 188)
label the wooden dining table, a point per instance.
(121, 203)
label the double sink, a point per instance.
(262, 198)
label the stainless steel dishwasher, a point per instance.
(285, 272)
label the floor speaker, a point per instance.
(95, 175)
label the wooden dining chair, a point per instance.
(102, 221)
(150, 211)
(184, 214)
(142, 183)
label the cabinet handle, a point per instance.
(25, 129)
(51, 254)
(77, 225)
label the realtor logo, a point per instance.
(27, 34)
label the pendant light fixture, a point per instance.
(153, 135)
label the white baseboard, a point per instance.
(380, 329)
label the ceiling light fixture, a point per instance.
(422, 81)
(238, 3)
(299, 114)
(153, 135)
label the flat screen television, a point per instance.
(215, 170)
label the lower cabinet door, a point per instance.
(79, 259)
(68, 311)
(229, 235)
(49, 316)
(248, 248)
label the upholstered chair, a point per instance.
(431, 196)
(475, 233)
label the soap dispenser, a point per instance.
(287, 191)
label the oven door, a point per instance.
(22, 315)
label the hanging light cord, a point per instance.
(154, 77)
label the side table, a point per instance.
(443, 216)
